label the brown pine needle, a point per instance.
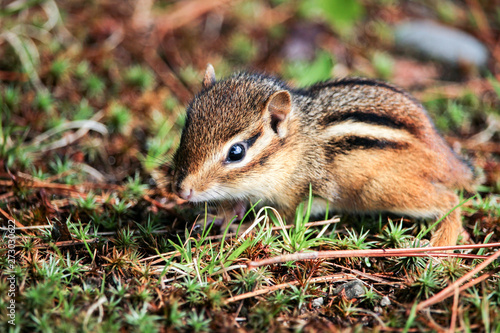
(362, 274)
(328, 278)
(168, 207)
(67, 243)
(11, 218)
(6, 195)
(448, 291)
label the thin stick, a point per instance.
(479, 279)
(454, 311)
(372, 253)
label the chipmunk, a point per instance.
(363, 145)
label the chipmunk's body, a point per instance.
(363, 145)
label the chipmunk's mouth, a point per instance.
(240, 209)
(238, 206)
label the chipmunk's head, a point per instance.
(227, 143)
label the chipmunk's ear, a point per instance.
(209, 78)
(279, 106)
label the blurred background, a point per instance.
(103, 84)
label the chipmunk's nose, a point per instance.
(186, 193)
(182, 187)
(179, 187)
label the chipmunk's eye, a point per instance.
(236, 153)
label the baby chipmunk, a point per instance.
(363, 145)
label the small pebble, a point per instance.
(385, 301)
(352, 289)
(317, 302)
(442, 43)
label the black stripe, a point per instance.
(354, 81)
(346, 144)
(263, 158)
(357, 81)
(364, 117)
(181, 175)
(252, 163)
(254, 138)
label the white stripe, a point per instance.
(350, 127)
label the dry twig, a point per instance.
(412, 252)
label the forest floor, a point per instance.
(92, 97)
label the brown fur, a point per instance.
(364, 145)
